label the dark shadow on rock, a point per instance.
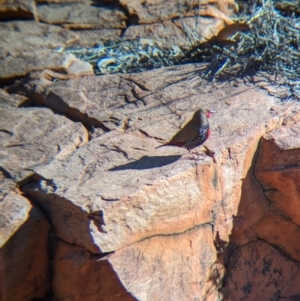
(24, 258)
(252, 262)
(82, 257)
(251, 207)
(147, 162)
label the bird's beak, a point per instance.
(210, 113)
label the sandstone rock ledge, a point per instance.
(29, 137)
(137, 223)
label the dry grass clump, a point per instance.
(269, 48)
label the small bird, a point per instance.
(194, 133)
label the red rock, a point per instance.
(152, 11)
(258, 271)
(174, 32)
(34, 136)
(28, 46)
(277, 229)
(118, 191)
(81, 275)
(24, 271)
(90, 38)
(163, 267)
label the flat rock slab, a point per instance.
(113, 209)
(94, 37)
(119, 189)
(31, 137)
(20, 36)
(167, 267)
(29, 46)
(81, 15)
(174, 32)
(79, 275)
(156, 11)
(143, 102)
(11, 100)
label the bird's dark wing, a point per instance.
(189, 131)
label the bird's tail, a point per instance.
(179, 144)
(161, 145)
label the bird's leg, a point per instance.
(210, 153)
(191, 153)
(194, 153)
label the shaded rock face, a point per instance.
(91, 210)
(94, 278)
(279, 174)
(259, 271)
(23, 247)
(267, 267)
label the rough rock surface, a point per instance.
(78, 273)
(6, 184)
(94, 37)
(258, 271)
(81, 16)
(34, 136)
(167, 258)
(28, 46)
(119, 192)
(11, 100)
(29, 137)
(23, 247)
(154, 11)
(278, 171)
(105, 193)
(177, 32)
